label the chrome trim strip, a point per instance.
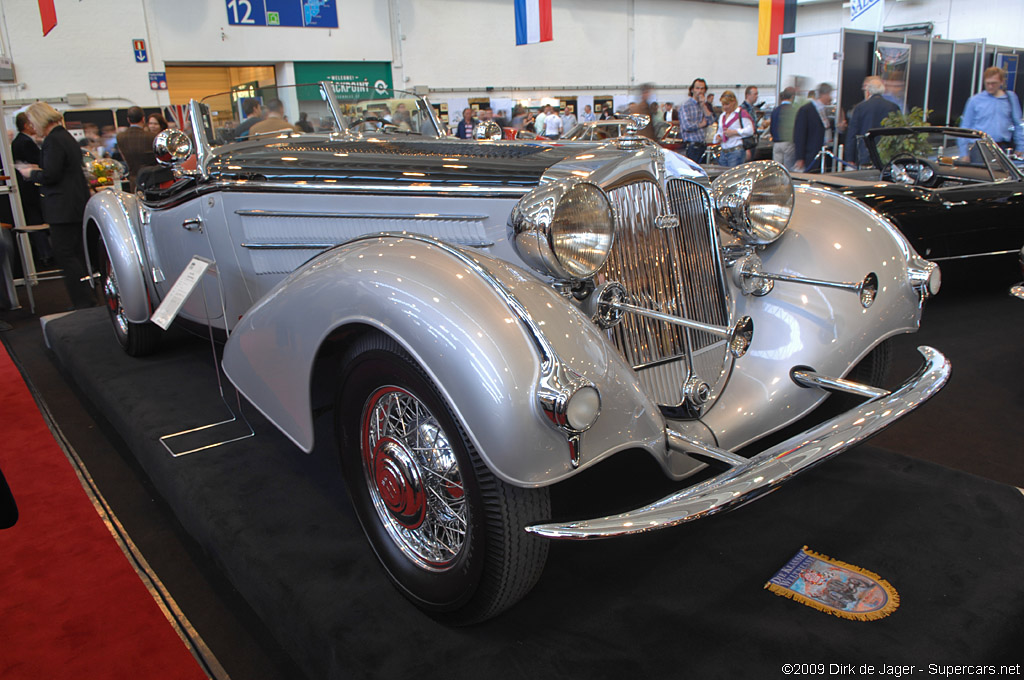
(288, 246)
(967, 257)
(338, 187)
(809, 378)
(365, 216)
(323, 246)
(770, 468)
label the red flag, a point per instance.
(48, 13)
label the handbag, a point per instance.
(751, 141)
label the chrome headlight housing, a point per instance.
(564, 229)
(754, 201)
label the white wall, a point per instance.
(459, 47)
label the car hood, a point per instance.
(374, 160)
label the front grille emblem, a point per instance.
(668, 221)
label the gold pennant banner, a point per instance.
(835, 587)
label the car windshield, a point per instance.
(254, 111)
(591, 131)
(958, 156)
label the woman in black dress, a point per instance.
(64, 192)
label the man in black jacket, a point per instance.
(136, 145)
(25, 150)
(866, 115)
(812, 130)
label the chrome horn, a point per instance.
(753, 280)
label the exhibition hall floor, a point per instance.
(258, 546)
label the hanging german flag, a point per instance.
(774, 18)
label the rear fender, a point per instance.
(115, 215)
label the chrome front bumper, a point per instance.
(751, 478)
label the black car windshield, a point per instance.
(958, 156)
(255, 111)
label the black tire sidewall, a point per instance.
(438, 591)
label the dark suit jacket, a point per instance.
(62, 180)
(136, 147)
(24, 150)
(866, 115)
(808, 136)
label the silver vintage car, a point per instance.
(492, 318)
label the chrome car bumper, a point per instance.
(750, 478)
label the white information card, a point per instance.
(182, 288)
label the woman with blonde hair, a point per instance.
(64, 193)
(733, 125)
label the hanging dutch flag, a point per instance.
(533, 21)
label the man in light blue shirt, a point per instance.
(995, 112)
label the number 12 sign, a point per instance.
(309, 13)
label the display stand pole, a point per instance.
(11, 189)
(215, 434)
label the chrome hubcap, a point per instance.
(414, 479)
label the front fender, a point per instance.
(830, 237)
(451, 312)
(115, 215)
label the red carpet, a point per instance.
(71, 604)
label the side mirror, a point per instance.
(172, 147)
(487, 130)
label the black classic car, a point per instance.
(953, 192)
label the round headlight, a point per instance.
(564, 229)
(754, 201)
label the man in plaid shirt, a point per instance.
(694, 119)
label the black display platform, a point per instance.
(684, 601)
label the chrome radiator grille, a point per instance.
(675, 270)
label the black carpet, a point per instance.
(686, 602)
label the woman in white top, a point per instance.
(733, 125)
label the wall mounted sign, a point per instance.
(139, 47)
(351, 79)
(300, 13)
(158, 80)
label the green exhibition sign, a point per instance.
(351, 79)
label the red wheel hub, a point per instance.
(399, 483)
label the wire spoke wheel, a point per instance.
(414, 478)
(448, 531)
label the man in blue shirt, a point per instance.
(694, 120)
(995, 112)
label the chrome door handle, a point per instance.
(194, 224)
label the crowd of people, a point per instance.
(54, 189)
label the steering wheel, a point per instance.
(906, 168)
(371, 119)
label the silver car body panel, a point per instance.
(815, 326)
(457, 326)
(116, 215)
